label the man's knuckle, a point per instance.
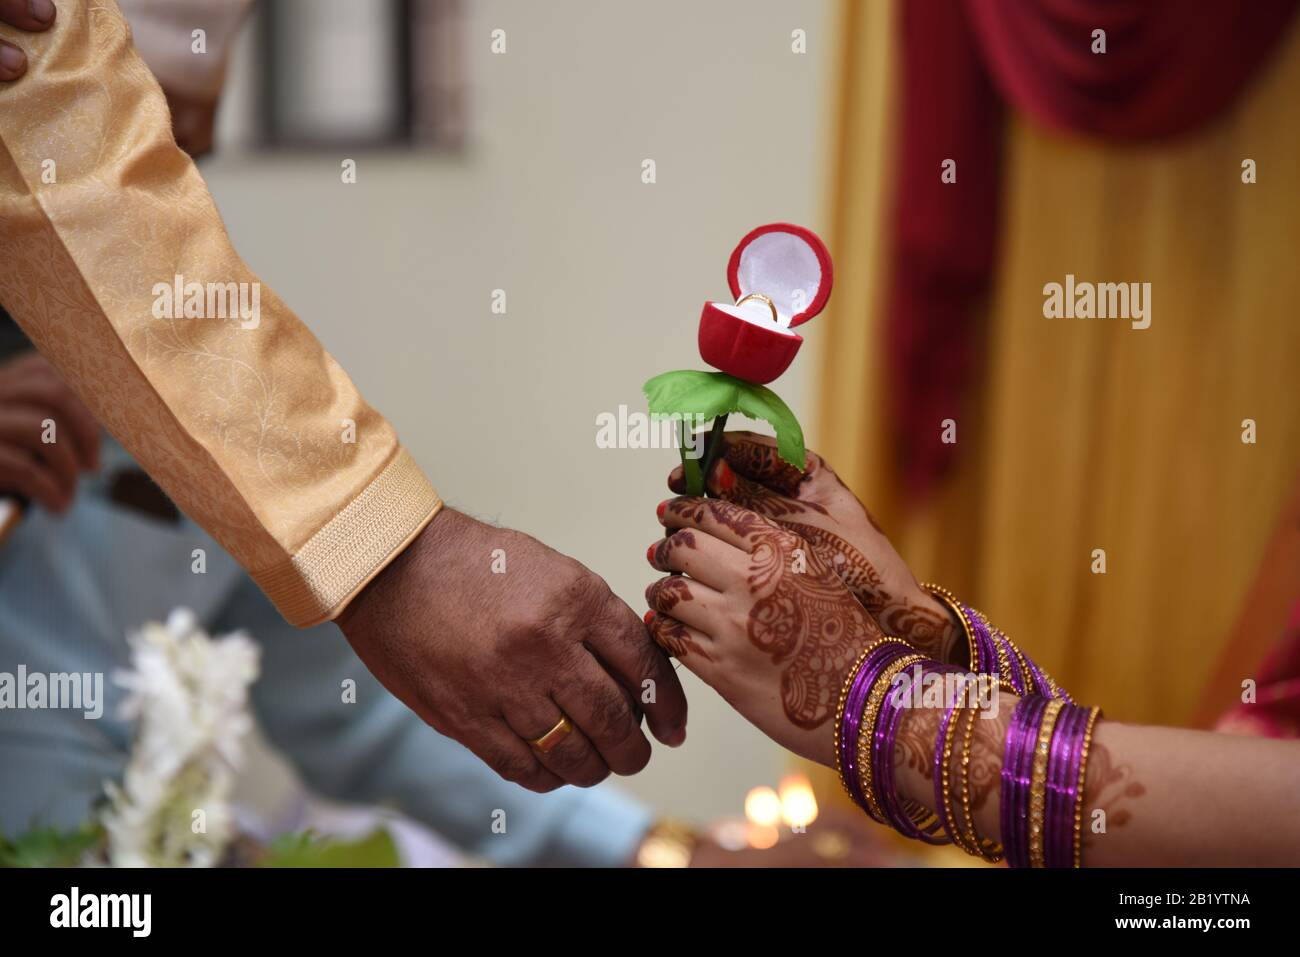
(583, 590)
(614, 716)
(513, 767)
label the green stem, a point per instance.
(713, 451)
(690, 465)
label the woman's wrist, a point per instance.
(914, 760)
(920, 744)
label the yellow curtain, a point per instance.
(1088, 434)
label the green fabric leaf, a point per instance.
(690, 392)
(710, 394)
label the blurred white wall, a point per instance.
(604, 275)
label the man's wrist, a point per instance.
(437, 538)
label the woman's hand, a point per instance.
(762, 618)
(818, 507)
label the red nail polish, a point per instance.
(663, 507)
(650, 553)
(648, 617)
(724, 476)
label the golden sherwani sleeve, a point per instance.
(245, 421)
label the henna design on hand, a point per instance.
(682, 538)
(742, 521)
(676, 639)
(669, 633)
(757, 498)
(806, 620)
(1107, 787)
(664, 594)
(930, 631)
(914, 752)
(852, 567)
(764, 464)
(986, 752)
(914, 743)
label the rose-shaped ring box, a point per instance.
(791, 267)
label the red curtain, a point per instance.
(1169, 67)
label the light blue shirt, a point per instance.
(71, 588)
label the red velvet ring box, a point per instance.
(789, 265)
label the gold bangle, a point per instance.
(867, 731)
(999, 647)
(1031, 686)
(839, 714)
(945, 776)
(1027, 675)
(953, 604)
(1083, 776)
(1052, 688)
(1038, 783)
(844, 697)
(987, 849)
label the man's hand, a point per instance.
(25, 15)
(31, 397)
(491, 636)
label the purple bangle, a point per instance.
(1025, 677)
(882, 762)
(1062, 774)
(1017, 677)
(852, 721)
(1017, 769)
(987, 663)
(1027, 777)
(1041, 685)
(854, 703)
(945, 723)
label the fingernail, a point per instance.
(663, 507)
(42, 10)
(650, 553)
(648, 617)
(11, 58)
(723, 477)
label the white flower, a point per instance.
(189, 694)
